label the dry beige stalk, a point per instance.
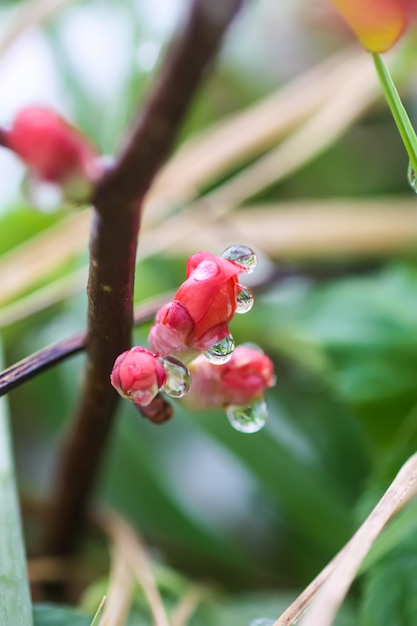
(120, 591)
(135, 556)
(185, 608)
(227, 144)
(303, 229)
(327, 591)
(29, 15)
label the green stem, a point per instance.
(398, 111)
(15, 603)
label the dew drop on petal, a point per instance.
(221, 352)
(178, 381)
(412, 178)
(244, 300)
(250, 418)
(243, 255)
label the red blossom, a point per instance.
(238, 382)
(137, 375)
(203, 306)
(53, 149)
(377, 23)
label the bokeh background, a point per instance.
(320, 191)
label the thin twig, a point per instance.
(118, 203)
(52, 355)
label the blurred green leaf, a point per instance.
(390, 589)
(15, 603)
(57, 615)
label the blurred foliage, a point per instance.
(267, 511)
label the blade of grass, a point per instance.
(15, 603)
(100, 610)
(398, 111)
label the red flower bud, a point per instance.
(55, 151)
(238, 382)
(203, 306)
(377, 23)
(137, 375)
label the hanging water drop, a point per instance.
(248, 419)
(243, 255)
(178, 381)
(412, 178)
(221, 352)
(262, 621)
(244, 300)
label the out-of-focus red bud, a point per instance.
(203, 306)
(377, 23)
(137, 375)
(53, 149)
(238, 382)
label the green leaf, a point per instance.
(15, 603)
(55, 615)
(390, 595)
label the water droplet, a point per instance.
(221, 352)
(178, 380)
(242, 255)
(248, 419)
(262, 621)
(244, 300)
(412, 178)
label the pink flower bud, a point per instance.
(55, 151)
(137, 375)
(237, 382)
(203, 306)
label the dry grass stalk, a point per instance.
(342, 109)
(328, 590)
(43, 254)
(34, 260)
(188, 604)
(29, 15)
(302, 229)
(120, 591)
(135, 556)
(247, 134)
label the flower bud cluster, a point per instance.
(191, 330)
(190, 333)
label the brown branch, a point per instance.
(3, 138)
(118, 204)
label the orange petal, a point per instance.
(377, 23)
